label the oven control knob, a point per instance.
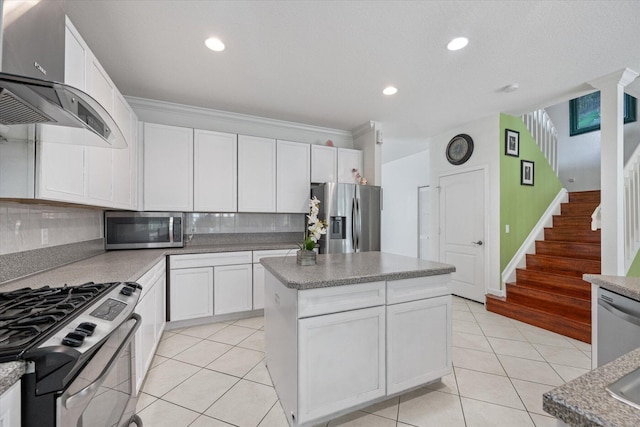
(74, 339)
(126, 290)
(87, 328)
(133, 285)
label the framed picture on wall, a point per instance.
(511, 143)
(526, 172)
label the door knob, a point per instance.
(479, 243)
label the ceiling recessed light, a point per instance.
(458, 43)
(390, 90)
(214, 44)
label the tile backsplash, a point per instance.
(218, 223)
(25, 227)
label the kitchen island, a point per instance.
(353, 330)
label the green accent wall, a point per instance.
(521, 206)
(634, 270)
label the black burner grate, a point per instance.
(26, 315)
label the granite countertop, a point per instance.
(123, 265)
(627, 286)
(10, 373)
(585, 402)
(346, 269)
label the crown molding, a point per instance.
(363, 129)
(142, 104)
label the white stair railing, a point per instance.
(545, 134)
(631, 208)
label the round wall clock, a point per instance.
(459, 149)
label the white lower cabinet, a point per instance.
(418, 342)
(341, 361)
(232, 289)
(258, 286)
(210, 284)
(10, 407)
(191, 293)
(151, 308)
(258, 272)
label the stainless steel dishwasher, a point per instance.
(618, 325)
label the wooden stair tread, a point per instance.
(582, 196)
(551, 322)
(556, 283)
(568, 307)
(563, 265)
(581, 250)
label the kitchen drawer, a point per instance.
(417, 288)
(334, 299)
(258, 255)
(210, 259)
(151, 276)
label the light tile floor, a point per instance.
(214, 376)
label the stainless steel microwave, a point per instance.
(142, 230)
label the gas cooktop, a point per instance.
(29, 315)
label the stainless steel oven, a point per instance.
(77, 343)
(103, 393)
(142, 230)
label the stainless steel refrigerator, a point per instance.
(353, 216)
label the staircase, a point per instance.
(549, 292)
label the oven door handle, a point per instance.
(88, 392)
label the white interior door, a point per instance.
(462, 232)
(424, 218)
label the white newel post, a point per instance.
(612, 164)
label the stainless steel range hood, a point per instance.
(32, 67)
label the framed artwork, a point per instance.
(526, 172)
(511, 143)
(584, 113)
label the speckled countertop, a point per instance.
(585, 401)
(346, 269)
(10, 373)
(124, 265)
(627, 286)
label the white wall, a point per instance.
(579, 156)
(400, 181)
(486, 155)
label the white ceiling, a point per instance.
(326, 62)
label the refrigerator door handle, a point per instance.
(353, 224)
(358, 225)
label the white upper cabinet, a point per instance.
(215, 172)
(168, 168)
(125, 160)
(99, 85)
(99, 175)
(85, 174)
(75, 58)
(324, 162)
(293, 177)
(256, 174)
(348, 160)
(60, 173)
